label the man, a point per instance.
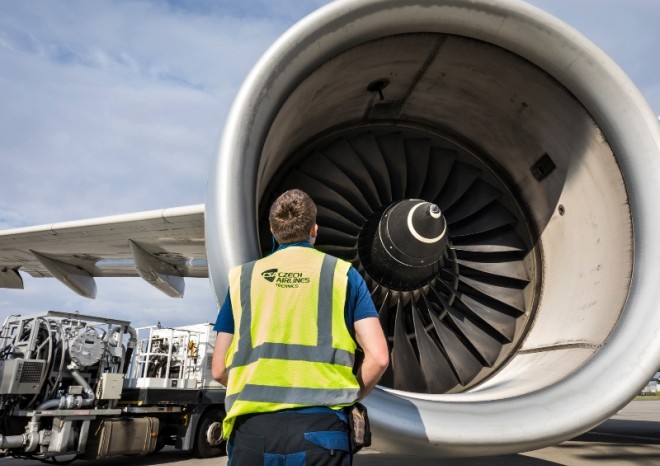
(287, 335)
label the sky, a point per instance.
(116, 106)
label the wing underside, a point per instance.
(161, 246)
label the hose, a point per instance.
(70, 401)
(86, 388)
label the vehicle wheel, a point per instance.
(208, 437)
(159, 446)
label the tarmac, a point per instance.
(630, 438)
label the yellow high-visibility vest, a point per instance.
(291, 347)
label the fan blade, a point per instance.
(505, 240)
(496, 216)
(331, 218)
(512, 274)
(503, 324)
(459, 181)
(342, 154)
(477, 339)
(407, 371)
(437, 372)
(510, 298)
(329, 235)
(464, 363)
(476, 198)
(324, 195)
(417, 156)
(394, 154)
(318, 166)
(366, 147)
(384, 316)
(441, 162)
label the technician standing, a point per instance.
(288, 365)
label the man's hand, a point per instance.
(369, 335)
(218, 367)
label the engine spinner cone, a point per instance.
(410, 241)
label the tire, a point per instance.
(159, 446)
(212, 418)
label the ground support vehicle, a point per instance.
(80, 386)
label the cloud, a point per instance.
(112, 107)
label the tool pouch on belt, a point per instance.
(358, 423)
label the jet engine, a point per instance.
(494, 177)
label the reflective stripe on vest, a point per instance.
(323, 352)
(324, 362)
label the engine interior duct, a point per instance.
(493, 176)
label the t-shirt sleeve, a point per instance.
(225, 320)
(360, 304)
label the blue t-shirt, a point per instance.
(359, 304)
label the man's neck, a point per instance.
(304, 243)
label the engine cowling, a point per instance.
(528, 144)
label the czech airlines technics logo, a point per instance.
(285, 279)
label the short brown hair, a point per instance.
(292, 216)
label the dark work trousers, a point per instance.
(313, 436)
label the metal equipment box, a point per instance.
(21, 376)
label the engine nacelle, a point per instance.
(542, 157)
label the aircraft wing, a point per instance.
(161, 246)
